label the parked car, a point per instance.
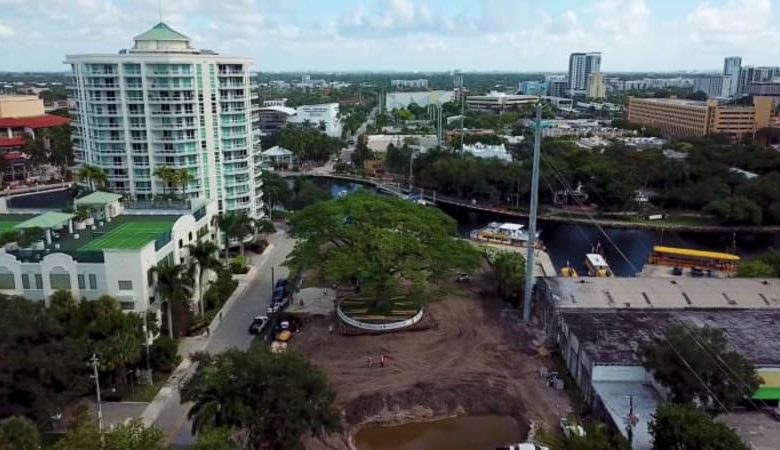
(279, 306)
(464, 278)
(258, 325)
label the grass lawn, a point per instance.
(129, 236)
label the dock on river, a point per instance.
(542, 262)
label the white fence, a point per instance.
(379, 326)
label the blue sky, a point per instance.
(322, 35)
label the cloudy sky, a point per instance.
(516, 35)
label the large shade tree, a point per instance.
(683, 427)
(509, 270)
(381, 242)
(696, 365)
(276, 398)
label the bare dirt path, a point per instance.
(479, 359)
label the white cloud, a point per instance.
(737, 22)
(6, 32)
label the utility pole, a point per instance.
(411, 159)
(462, 114)
(146, 345)
(529, 260)
(94, 362)
(273, 283)
(630, 425)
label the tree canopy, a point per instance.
(128, 436)
(383, 243)
(696, 366)
(309, 144)
(509, 270)
(684, 427)
(276, 398)
(34, 382)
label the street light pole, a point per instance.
(94, 362)
(146, 345)
(529, 260)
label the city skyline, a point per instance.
(406, 35)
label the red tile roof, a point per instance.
(12, 142)
(44, 121)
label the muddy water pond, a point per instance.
(484, 432)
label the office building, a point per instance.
(323, 117)
(498, 102)
(22, 116)
(751, 74)
(557, 88)
(580, 66)
(409, 84)
(596, 85)
(112, 251)
(714, 87)
(732, 66)
(683, 118)
(481, 150)
(398, 100)
(163, 103)
(538, 88)
(765, 89)
(272, 119)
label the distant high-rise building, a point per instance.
(532, 88)
(580, 66)
(732, 66)
(410, 84)
(714, 87)
(164, 103)
(596, 85)
(751, 74)
(557, 88)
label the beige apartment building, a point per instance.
(682, 118)
(596, 87)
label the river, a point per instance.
(625, 249)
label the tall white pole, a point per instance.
(529, 260)
(94, 362)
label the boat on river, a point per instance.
(513, 234)
(569, 271)
(597, 266)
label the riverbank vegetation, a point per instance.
(701, 176)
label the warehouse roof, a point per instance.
(677, 292)
(613, 337)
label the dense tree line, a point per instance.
(307, 144)
(701, 180)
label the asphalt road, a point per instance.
(233, 331)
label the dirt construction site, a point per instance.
(478, 357)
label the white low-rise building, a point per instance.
(481, 150)
(324, 117)
(110, 252)
(498, 102)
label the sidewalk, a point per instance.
(169, 392)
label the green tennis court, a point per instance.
(8, 225)
(129, 235)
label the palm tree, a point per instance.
(94, 176)
(202, 255)
(174, 285)
(236, 225)
(182, 177)
(166, 175)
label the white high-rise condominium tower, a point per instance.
(164, 103)
(732, 66)
(581, 65)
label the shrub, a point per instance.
(162, 354)
(220, 290)
(257, 246)
(238, 264)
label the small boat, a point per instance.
(505, 233)
(569, 271)
(343, 194)
(597, 266)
